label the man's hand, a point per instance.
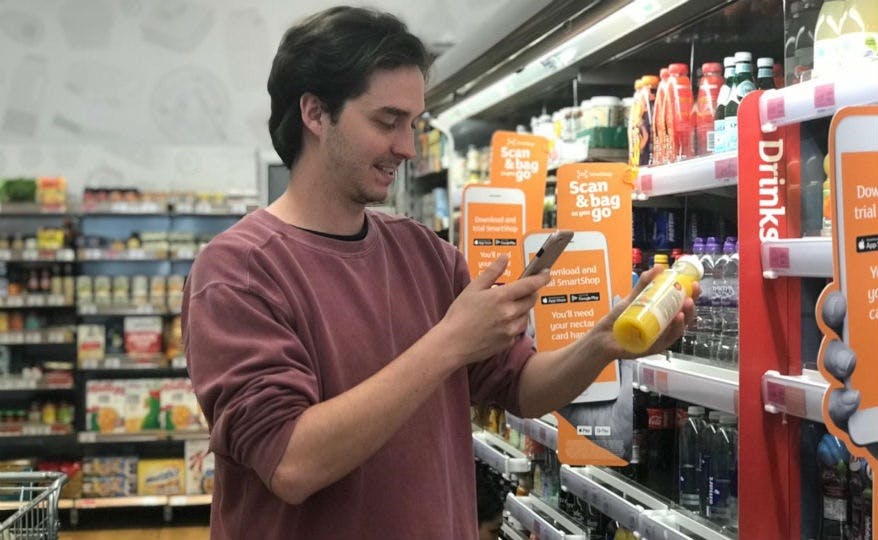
(484, 319)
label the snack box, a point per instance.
(161, 476)
(105, 406)
(143, 336)
(180, 410)
(199, 467)
(125, 466)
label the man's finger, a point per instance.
(492, 273)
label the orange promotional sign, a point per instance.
(594, 201)
(519, 160)
(492, 223)
(847, 311)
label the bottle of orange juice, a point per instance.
(679, 113)
(652, 310)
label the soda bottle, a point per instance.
(705, 440)
(659, 125)
(659, 470)
(680, 127)
(689, 459)
(743, 85)
(723, 479)
(722, 100)
(833, 460)
(705, 106)
(765, 75)
(636, 265)
(638, 327)
(635, 469)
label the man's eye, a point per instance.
(386, 125)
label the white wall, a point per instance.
(157, 94)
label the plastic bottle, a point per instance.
(659, 471)
(726, 297)
(647, 117)
(722, 100)
(805, 43)
(690, 463)
(635, 114)
(826, 230)
(705, 106)
(858, 39)
(857, 485)
(711, 329)
(636, 265)
(827, 50)
(639, 444)
(867, 502)
(833, 460)
(652, 310)
(765, 74)
(660, 259)
(705, 440)
(690, 337)
(723, 479)
(659, 124)
(743, 85)
(680, 126)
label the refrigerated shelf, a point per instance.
(706, 172)
(796, 395)
(797, 257)
(713, 387)
(537, 430)
(534, 515)
(499, 455)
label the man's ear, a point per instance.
(312, 113)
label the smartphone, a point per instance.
(854, 158)
(548, 253)
(574, 301)
(493, 223)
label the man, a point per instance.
(335, 351)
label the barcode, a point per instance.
(710, 141)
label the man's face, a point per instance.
(374, 135)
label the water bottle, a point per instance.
(722, 507)
(705, 440)
(689, 459)
(857, 486)
(726, 292)
(691, 334)
(705, 313)
(833, 460)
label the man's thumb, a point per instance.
(492, 273)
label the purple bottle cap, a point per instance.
(711, 246)
(729, 246)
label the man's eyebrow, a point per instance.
(395, 111)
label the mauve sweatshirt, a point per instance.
(276, 319)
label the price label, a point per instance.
(144, 309)
(36, 300)
(649, 377)
(725, 169)
(88, 309)
(55, 300)
(824, 96)
(112, 362)
(30, 255)
(779, 257)
(661, 382)
(137, 254)
(184, 208)
(64, 255)
(33, 337)
(203, 208)
(238, 208)
(87, 437)
(5, 255)
(736, 400)
(776, 108)
(93, 254)
(646, 183)
(186, 253)
(88, 363)
(15, 301)
(179, 362)
(56, 336)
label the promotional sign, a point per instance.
(593, 200)
(492, 223)
(847, 359)
(519, 160)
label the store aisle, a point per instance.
(164, 533)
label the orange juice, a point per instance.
(643, 321)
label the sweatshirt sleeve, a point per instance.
(251, 374)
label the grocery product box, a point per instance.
(124, 466)
(105, 406)
(161, 476)
(90, 343)
(180, 410)
(199, 467)
(142, 404)
(143, 336)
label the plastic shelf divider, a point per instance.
(506, 461)
(705, 172)
(581, 481)
(795, 395)
(521, 508)
(711, 386)
(537, 430)
(797, 257)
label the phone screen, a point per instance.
(493, 229)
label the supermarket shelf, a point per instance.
(610, 494)
(706, 172)
(190, 500)
(797, 257)
(591, 154)
(120, 502)
(124, 362)
(537, 430)
(212, 210)
(710, 386)
(109, 309)
(674, 525)
(165, 209)
(93, 437)
(499, 455)
(818, 98)
(509, 532)
(13, 384)
(35, 301)
(30, 209)
(124, 255)
(42, 255)
(42, 336)
(795, 395)
(535, 515)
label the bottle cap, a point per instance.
(664, 73)
(729, 245)
(711, 246)
(695, 410)
(728, 419)
(690, 261)
(711, 67)
(680, 70)
(650, 80)
(729, 61)
(765, 62)
(660, 258)
(698, 247)
(713, 416)
(743, 56)
(636, 255)
(855, 464)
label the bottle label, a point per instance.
(719, 135)
(662, 299)
(730, 133)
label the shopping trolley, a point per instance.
(32, 499)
